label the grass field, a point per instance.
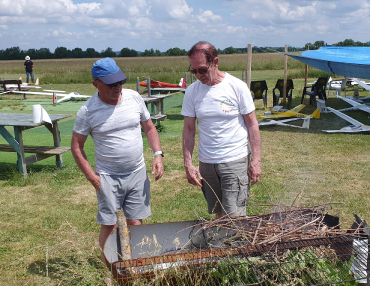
(48, 231)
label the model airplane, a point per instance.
(55, 94)
(277, 112)
(158, 84)
(362, 84)
(306, 122)
(354, 128)
(355, 104)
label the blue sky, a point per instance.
(165, 24)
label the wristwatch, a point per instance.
(159, 153)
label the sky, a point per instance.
(165, 24)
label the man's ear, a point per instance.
(95, 84)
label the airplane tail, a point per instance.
(182, 82)
(37, 82)
(316, 114)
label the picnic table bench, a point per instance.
(156, 110)
(21, 122)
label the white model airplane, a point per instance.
(55, 94)
(355, 104)
(306, 122)
(356, 126)
(362, 84)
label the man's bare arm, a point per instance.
(188, 142)
(77, 148)
(255, 141)
(155, 145)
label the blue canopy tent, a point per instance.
(344, 61)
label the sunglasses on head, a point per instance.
(201, 70)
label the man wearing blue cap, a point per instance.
(114, 117)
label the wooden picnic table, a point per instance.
(21, 122)
(156, 114)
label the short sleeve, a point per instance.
(82, 124)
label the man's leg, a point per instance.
(105, 231)
(32, 76)
(28, 76)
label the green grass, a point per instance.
(48, 232)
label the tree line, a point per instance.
(15, 53)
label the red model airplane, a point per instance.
(156, 84)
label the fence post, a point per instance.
(138, 84)
(186, 80)
(148, 85)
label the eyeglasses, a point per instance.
(201, 70)
(113, 85)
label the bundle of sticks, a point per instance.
(289, 225)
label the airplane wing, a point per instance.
(361, 83)
(306, 122)
(355, 105)
(72, 95)
(356, 126)
(290, 113)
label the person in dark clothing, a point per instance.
(28, 65)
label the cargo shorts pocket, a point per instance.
(243, 195)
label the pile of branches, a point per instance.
(289, 225)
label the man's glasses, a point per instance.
(201, 70)
(113, 85)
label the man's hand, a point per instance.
(96, 182)
(254, 171)
(158, 166)
(193, 174)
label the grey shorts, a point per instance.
(129, 192)
(230, 184)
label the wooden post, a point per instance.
(186, 80)
(249, 65)
(148, 86)
(191, 78)
(242, 75)
(285, 74)
(138, 85)
(124, 235)
(306, 71)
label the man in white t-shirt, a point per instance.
(114, 117)
(223, 108)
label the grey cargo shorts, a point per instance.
(230, 184)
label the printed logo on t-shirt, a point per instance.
(226, 105)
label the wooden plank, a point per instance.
(47, 150)
(25, 119)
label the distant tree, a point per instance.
(61, 53)
(77, 53)
(148, 53)
(220, 52)
(108, 53)
(319, 44)
(13, 53)
(230, 50)
(158, 53)
(126, 52)
(176, 52)
(43, 53)
(309, 46)
(91, 53)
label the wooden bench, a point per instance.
(40, 152)
(3, 83)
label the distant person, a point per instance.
(28, 65)
(223, 108)
(113, 117)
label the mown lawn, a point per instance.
(48, 231)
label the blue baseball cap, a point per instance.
(107, 71)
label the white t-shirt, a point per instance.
(223, 135)
(116, 132)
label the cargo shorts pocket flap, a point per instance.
(243, 195)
